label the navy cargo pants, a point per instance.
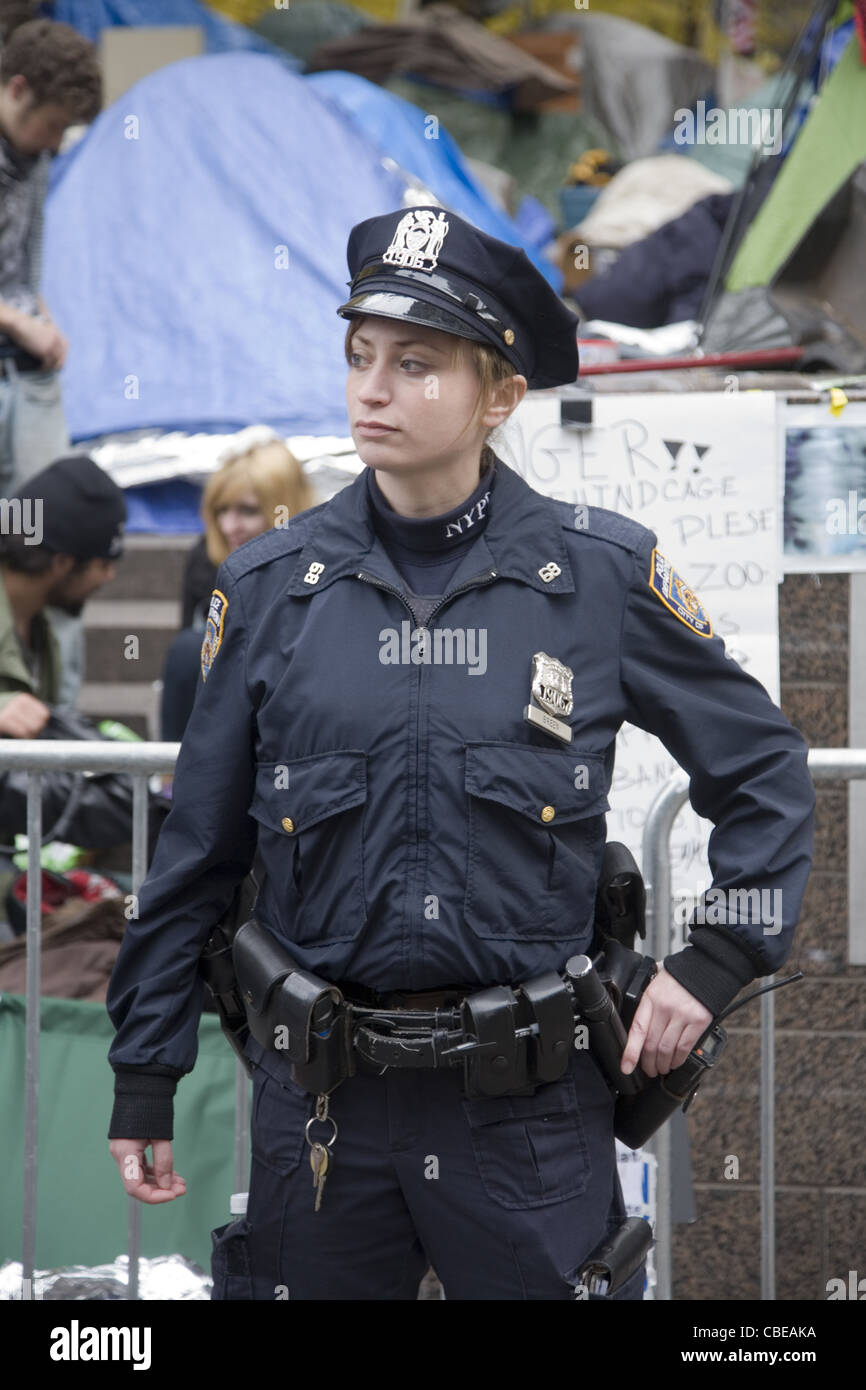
(504, 1196)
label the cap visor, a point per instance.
(403, 306)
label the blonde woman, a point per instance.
(259, 484)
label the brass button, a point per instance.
(508, 335)
(288, 824)
(547, 813)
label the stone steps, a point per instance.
(129, 625)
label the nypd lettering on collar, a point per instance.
(468, 519)
(675, 594)
(417, 240)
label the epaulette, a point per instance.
(605, 525)
(273, 544)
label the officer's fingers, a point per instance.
(688, 1038)
(128, 1154)
(163, 1168)
(666, 1047)
(637, 1035)
(137, 1177)
(656, 1031)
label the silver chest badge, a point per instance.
(417, 241)
(551, 690)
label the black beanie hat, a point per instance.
(83, 510)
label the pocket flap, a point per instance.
(556, 1098)
(549, 786)
(292, 796)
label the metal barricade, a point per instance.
(37, 757)
(142, 760)
(825, 765)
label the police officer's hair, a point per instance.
(17, 555)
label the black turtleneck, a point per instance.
(426, 550)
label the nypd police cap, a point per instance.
(429, 266)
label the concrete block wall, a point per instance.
(820, 1035)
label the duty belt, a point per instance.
(509, 1040)
(399, 1029)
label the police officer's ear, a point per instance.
(505, 396)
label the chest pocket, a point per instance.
(310, 814)
(536, 836)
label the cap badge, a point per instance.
(551, 689)
(418, 240)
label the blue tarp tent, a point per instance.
(194, 252)
(417, 142)
(221, 35)
(195, 249)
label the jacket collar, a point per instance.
(522, 538)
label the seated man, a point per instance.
(59, 539)
(60, 536)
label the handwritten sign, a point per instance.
(704, 472)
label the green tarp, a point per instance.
(828, 149)
(82, 1209)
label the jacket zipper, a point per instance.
(485, 577)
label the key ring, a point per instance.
(314, 1119)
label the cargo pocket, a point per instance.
(530, 1151)
(536, 833)
(230, 1261)
(280, 1112)
(310, 813)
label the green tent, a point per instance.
(829, 149)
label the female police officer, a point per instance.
(372, 721)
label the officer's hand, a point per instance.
(23, 716)
(665, 1028)
(156, 1182)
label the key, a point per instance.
(319, 1162)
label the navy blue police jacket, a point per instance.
(401, 805)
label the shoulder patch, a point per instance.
(213, 632)
(675, 594)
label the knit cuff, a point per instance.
(143, 1105)
(712, 968)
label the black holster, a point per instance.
(216, 968)
(292, 1011)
